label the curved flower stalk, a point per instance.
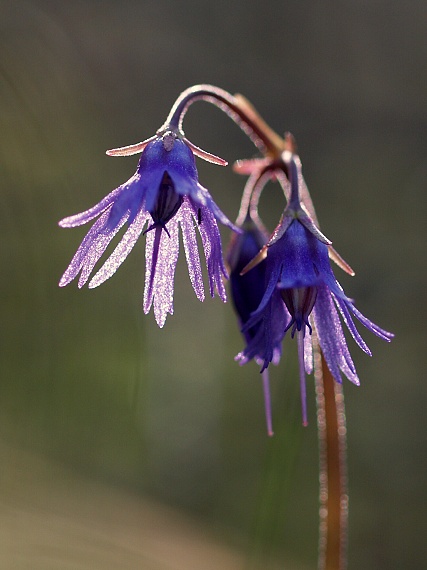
(276, 165)
(164, 194)
(236, 107)
(297, 266)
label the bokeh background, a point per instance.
(125, 446)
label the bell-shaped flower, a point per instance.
(247, 292)
(297, 266)
(163, 195)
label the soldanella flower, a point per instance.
(297, 266)
(276, 167)
(162, 196)
(246, 293)
(247, 290)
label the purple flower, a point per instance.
(297, 267)
(163, 194)
(247, 292)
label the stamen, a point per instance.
(300, 302)
(302, 377)
(156, 245)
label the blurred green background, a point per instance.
(126, 446)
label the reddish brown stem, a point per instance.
(333, 474)
(237, 107)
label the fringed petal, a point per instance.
(76, 263)
(122, 250)
(161, 259)
(267, 335)
(331, 337)
(381, 333)
(342, 307)
(96, 250)
(187, 215)
(88, 215)
(211, 241)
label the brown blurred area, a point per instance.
(126, 446)
(50, 517)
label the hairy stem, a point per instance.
(236, 107)
(333, 509)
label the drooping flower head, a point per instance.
(297, 266)
(247, 290)
(163, 195)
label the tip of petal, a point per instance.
(66, 278)
(66, 222)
